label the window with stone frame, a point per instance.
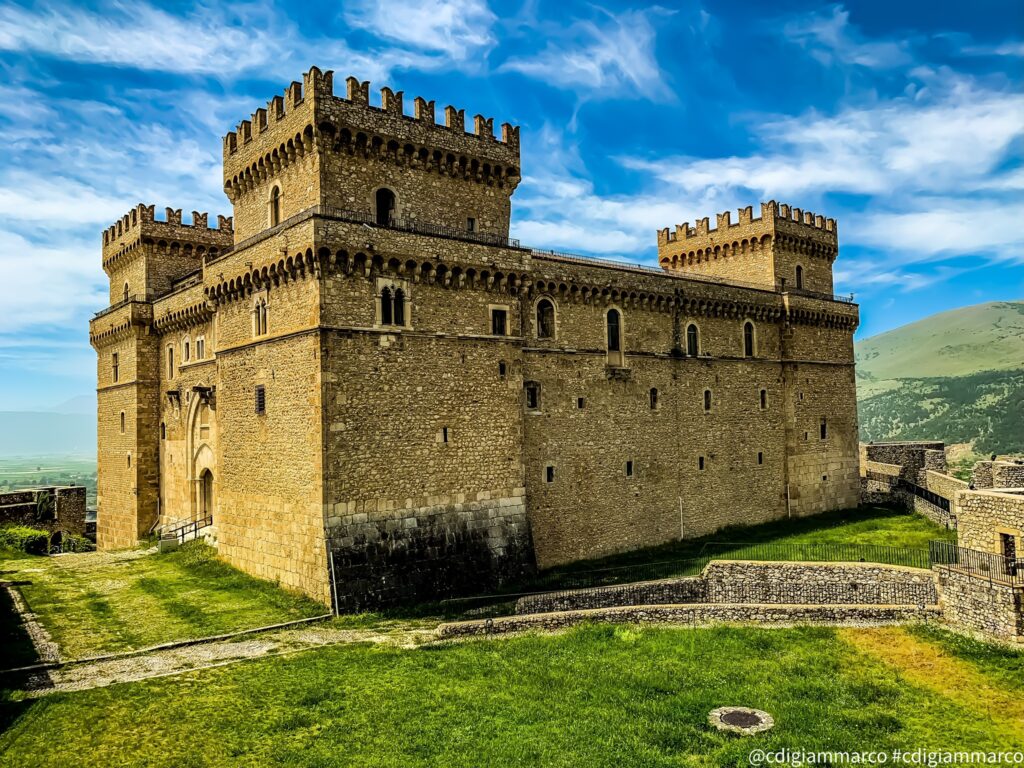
(115, 367)
(499, 321)
(532, 394)
(692, 341)
(545, 319)
(393, 303)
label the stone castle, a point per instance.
(361, 386)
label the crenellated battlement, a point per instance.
(141, 225)
(771, 212)
(317, 88)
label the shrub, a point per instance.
(73, 543)
(24, 539)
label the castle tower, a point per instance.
(311, 148)
(144, 258)
(785, 249)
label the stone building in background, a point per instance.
(361, 375)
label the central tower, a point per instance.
(311, 148)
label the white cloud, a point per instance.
(907, 144)
(459, 28)
(830, 38)
(613, 59)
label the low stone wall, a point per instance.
(925, 508)
(998, 474)
(663, 592)
(818, 583)
(699, 614)
(911, 457)
(977, 604)
(982, 516)
(52, 508)
(755, 582)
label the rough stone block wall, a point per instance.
(983, 515)
(66, 508)
(701, 614)
(977, 604)
(663, 592)
(810, 583)
(911, 456)
(1008, 474)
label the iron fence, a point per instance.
(973, 562)
(818, 552)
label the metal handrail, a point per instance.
(193, 527)
(973, 562)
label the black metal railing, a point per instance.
(844, 298)
(985, 565)
(923, 493)
(818, 553)
(182, 532)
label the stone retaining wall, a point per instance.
(853, 615)
(53, 508)
(978, 604)
(754, 582)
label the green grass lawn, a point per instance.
(593, 696)
(92, 604)
(870, 526)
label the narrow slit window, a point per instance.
(122, 422)
(580, 402)
(261, 399)
(654, 398)
(114, 367)
(824, 428)
(764, 399)
(444, 434)
(748, 339)
(170, 362)
(799, 277)
(470, 224)
(549, 474)
(700, 463)
(692, 341)
(760, 457)
(707, 399)
(502, 368)
(629, 469)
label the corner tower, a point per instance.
(785, 249)
(312, 149)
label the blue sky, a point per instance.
(903, 120)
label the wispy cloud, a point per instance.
(613, 57)
(459, 28)
(830, 38)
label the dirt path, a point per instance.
(928, 666)
(173, 661)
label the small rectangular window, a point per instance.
(824, 428)
(629, 469)
(654, 399)
(549, 473)
(444, 434)
(261, 399)
(187, 349)
(471, 224)
(170, 362)
(200, 349)
(764, 399)
(499, 322)
(122, 422)
(114, 366)
(824, 478)
(700, 463)
(760, 457)
(707, 399)
(532, 395)
(580, 402)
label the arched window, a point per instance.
(399, 306)
(545, 319)
(125, 295)
(692, 341)
(799, 276)
(614, 331)
(259, 317)
(748, 339)
(186, 350)
(386, 307)
(275, 205)
(385, 200)
(170, 362)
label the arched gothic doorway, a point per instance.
(206, 494)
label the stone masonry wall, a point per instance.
(977, 604)
(982, 516)
(64, 512)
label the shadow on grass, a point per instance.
(16, 650)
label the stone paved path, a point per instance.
(173, 661)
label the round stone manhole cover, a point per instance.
(742, 720)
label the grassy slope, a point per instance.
(956, 376)
(962, 341)
(595, 696)
(90, 604)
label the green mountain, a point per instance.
(956, 376)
